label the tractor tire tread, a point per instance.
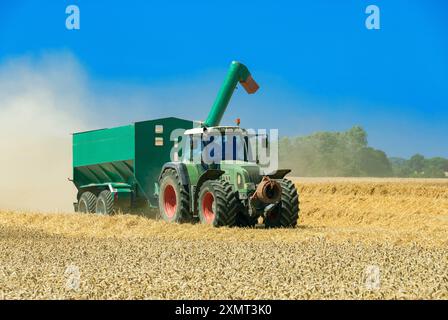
(226, 202)
(288, 207)
(185, 214)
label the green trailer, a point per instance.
(123, 161)
(143, 165)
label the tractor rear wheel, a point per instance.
(217, 204)
(87, 202)
(105, 203)
(173, 198)
(287, 211)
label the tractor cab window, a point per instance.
(223, 146)
(234, 147)
(213, 148)
(193, 148)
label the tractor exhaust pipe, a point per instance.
(268, 191)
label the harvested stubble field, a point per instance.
(347, 228)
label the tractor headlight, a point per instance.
(239, 181)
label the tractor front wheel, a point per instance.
(173, 198)
(217, 204)
(287, 211)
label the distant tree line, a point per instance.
(420, 167)
(347, 154)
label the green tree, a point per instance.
(356, 138)
(417, 163)
(348, 154)
(374, 163)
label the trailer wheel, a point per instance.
(87, 202)
(217, 204)
(173, 199)
(105, 203)
(287, 212)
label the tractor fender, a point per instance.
(210, 174)
(181, 170)
(279, 174)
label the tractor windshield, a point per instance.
(234, 148)
(214, 148)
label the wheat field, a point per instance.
(356, 239)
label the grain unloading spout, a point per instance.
(238, 72)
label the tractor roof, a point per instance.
(230, 129)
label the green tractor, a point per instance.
(217, 180)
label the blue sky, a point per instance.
(319, 68)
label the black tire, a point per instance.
(87, 202)
(105, 203)
(174, 200)
(217, 204)
(287, 212)
(243, 220)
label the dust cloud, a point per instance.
(45, 98)
(41, 103)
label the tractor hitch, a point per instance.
(266, 197)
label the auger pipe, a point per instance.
(238, 72)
